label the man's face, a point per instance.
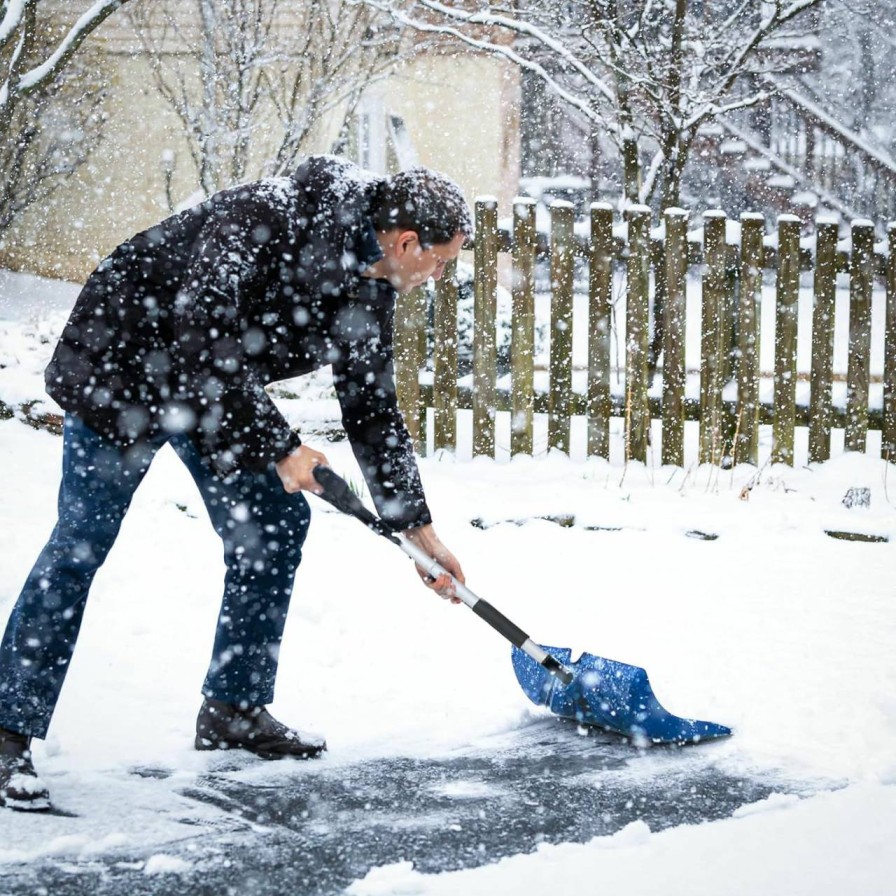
(408, 264)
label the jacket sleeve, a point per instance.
(365, 385)
(236, 422)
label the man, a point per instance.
(173, 339)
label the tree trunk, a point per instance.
(594, 164)
(673, 168)
(631, 167)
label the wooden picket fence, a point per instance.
(731, 279)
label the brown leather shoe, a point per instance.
(223, 726)
(20, 787)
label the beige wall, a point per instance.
(462, 118)
(460, 114)
(120, 191)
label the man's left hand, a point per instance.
(296, 470)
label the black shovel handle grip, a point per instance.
(338, 492)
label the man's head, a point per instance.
(421, 220)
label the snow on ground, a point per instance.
(773, 627)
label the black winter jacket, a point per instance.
(183, 325)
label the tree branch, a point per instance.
(14, 13)
(506, 23)
(68, 46)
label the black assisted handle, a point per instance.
(338, 492)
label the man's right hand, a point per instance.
(426, 539)
(296, 470)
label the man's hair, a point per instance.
(421, 200)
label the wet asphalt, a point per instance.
(314, 831)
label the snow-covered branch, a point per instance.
(737, 62)
(650, 177)
(89, 22)
(19, 23)
(14, 12)
(484, 19)
(715, 110)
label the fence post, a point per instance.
(674, 371)
(600, 307)
(711, 330)
(410, 351)
(786, 304)
(444, 398)
(861, 283)
(822, 375)
(485, 302)
(562, 248)
(522, 344)
(888, 436)
(637, 333)
(750, 301)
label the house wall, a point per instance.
(119, 191)
(460, 113)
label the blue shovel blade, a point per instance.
(609, 695)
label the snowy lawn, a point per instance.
(773, 627)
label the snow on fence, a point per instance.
(755, 328)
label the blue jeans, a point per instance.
(262, 528)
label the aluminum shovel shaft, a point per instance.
(338, 493)
(490, 614)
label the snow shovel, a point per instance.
(592, 690)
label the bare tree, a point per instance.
(251, 79)
(648, 73)
(49, 124)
